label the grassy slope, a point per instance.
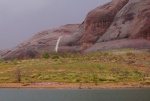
(101, 67)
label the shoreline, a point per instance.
(72, 85)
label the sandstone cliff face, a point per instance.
(98, 20)
(132, 21)
(118, 24)
(129, 29)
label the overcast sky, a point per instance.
(21, 19)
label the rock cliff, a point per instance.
(129, 29)
(98, 20)
(117, 24)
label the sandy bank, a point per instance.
(72, 85)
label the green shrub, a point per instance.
(1, 60)
(17, 74)
(130, 54)
(55, 55)
(95, 79)
(31, 54)
(14, 61)
(45, 55)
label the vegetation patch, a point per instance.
(117, 66)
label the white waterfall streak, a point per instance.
(57, 44)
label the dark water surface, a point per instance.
(75, 95)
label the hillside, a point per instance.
(117, 24)
(45, 41)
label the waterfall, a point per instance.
(57, 44)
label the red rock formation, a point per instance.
(98, 20)
(118, 24)
(129, 29)
(132, 21)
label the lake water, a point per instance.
(75, 95)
